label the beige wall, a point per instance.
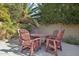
(70, 30)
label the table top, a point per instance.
(41, 35)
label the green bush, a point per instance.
(26, 26)
(7, 26)
(59, 13)
(71, 40)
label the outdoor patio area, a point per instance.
(42, 28)
(7, 49)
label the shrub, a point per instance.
(71, 40)
(26, 26)
(7, 26)
(59, 13)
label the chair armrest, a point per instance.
(36, 39)
(50, 40)
(53, 40)
(57, 41)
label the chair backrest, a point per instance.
(24, 34)
(60, 35)
(55, 33)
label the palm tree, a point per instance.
(30, 14)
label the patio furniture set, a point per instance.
(33, 42)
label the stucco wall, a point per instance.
(70, 30)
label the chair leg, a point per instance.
(37, 46)
(40, 44)
(55, 49)
(60, 47)
(46, 49)
(47, 43)
(21, 49)
(31, 50)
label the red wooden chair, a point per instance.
(27, 42)
(55, 42)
